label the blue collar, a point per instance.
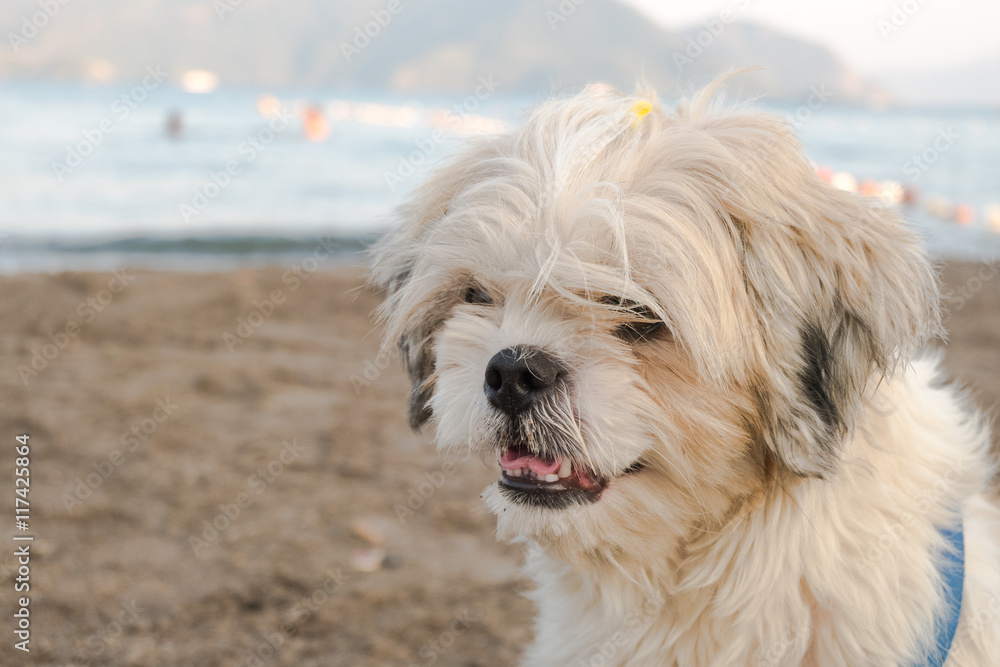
(952, 575)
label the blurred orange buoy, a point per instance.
(870, 188)
(965, 214)
(314, 123)
(993, 216)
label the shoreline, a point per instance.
(220, 251)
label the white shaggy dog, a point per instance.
(694, 362)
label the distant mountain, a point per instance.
(444, 46)
(975, 84)
(791, 66)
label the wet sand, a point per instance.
(171, 406)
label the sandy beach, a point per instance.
(215, 458)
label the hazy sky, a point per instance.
(934, 33)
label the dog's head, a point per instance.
(645, 315)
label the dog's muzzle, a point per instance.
(518, 381)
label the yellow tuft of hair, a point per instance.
(639, 111)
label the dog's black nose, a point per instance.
(518, 375)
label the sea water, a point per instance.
(92, 178)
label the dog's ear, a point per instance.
(419, 360)
(838, 289)
(834, 314)
(414, 308)
(408, 325)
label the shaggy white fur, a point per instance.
(761, 467)
(822, 573)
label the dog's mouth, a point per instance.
(550, 482)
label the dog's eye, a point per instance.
(639, 331)
(478, 295)
(643, 325)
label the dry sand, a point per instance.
(114, 577)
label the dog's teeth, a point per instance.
(566, 469)
(514, 472)
(552, 477)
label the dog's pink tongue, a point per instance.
(517, 458)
